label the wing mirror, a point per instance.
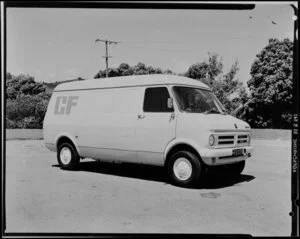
(170, 103)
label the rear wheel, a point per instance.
(67, 156)
(184, 168)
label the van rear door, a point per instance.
(155, 126)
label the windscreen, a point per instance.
(197, 100)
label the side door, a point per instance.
(156, 124)
(107, 128)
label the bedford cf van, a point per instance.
(164, 120)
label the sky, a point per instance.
(55, 44)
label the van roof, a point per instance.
(130, 81)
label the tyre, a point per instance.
(236, 168)
(67, 156)
(184, 169)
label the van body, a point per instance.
(145, 119)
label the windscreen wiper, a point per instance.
(212, 111)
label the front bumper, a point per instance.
(224, 156)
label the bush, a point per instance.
(10, 124)
(29, 123)
(27, 111)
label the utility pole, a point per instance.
(106, 51)
(106, 58)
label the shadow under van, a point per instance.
(157, 174)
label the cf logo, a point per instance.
(64, 104)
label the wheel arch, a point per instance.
(179, 146)
(64, 137)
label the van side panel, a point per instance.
(48, 134)
(101, 121)
(106, 129)
(61, 118)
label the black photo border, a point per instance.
(149, 5)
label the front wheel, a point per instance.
(184, 168)
(67, 156)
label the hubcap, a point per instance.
(182, 169)
(65, 155)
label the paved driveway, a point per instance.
(122, 198)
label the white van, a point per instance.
(164, 120)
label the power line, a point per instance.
(146, 43)
(155, 41)
(106, 51)
(125, 43)
(188, 40)
(157, 49)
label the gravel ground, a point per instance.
(124, 198)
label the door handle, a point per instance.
(172, 117)
(141, 116)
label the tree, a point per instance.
(26, 102)
(215, 66)
(270, 101)
(197, 71)
(125, 70)
(22, 84)
(223, 84)
(168, 71)
(206, 70)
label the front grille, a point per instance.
(245, 136)
(226, 137)
(225, 140)
(231, 140)
(243, 139)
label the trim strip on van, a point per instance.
(114, 87)
(231, 130)
(50, 144)
(121, 150)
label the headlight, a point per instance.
(211, 140)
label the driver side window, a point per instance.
(156, 100)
